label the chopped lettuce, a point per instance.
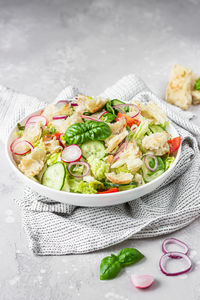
(131, 136)
(39, 144)
(19, 133)
(164, 125)
(148, 175)
(98, 167)
(49, 129)
(168, 161)
(83, 187)
(142, 129)
(156, 128)
(54, 158)
(121, 169)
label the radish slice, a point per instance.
(21, 147)
(71, 153)
(14, 143)
(174, 255)
(34, 119)
(142, 281)
(176, 242)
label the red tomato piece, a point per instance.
(57, 135)
(174, 144)
(112, 190)
(130, 121)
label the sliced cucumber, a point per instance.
(54, 176)
(121, 187)
(149, 176)
(117, 102)
(95, 148)
(127, 187)
(156, 128)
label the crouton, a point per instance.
(33, 163)
(179, 87)
(121, 178)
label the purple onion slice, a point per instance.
(173, 255)
(80, 163)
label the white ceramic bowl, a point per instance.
(88, 199)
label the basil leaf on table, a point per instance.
(110, 267)
(197, 84)
(80, 133)
(129, 256)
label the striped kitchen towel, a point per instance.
(55, 228)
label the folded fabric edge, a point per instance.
(44, 249)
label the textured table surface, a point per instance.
(46, 45)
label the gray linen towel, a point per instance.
(54, 228)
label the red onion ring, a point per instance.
(81, 163)
(173, 255)
(91, 118)
(68, 101)
(174, 241)
(128, 104)
(119, 147)
(120, 150)
(105, 112)
(64, 101)
(147, 165)
(59, 117)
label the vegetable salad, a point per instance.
(95, 145)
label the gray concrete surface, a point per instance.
(46, 45)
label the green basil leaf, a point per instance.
(110, 267)
(197, 84)
(129, 256)
(80, 133)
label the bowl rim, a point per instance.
(34, 183)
